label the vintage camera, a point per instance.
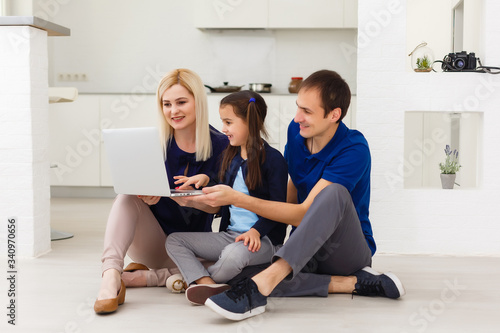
(460, 61)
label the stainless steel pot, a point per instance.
(260, 87)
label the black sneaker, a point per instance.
(372, 283)
(242, 301)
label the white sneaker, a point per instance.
(176, 284)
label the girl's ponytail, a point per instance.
(252, 108)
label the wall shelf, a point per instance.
(426, 135)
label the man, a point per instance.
(327, 201)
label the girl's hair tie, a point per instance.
(251, 100)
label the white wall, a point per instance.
(429, 21)
(24, 139)
(118, 43)
(432, 21)
(425, 221)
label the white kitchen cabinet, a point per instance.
(77, 154)
(272, 120)
(306, 14)
(74, 149)
(122, 111)
(350, 13)
(276, 14)
(213, 109)
(288, 108)
(350, 117)
(233, 14)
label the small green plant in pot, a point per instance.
(423, 64)
(449, 168)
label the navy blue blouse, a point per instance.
(274, 173)
(171, 216)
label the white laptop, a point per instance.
(136, 162)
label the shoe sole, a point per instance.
(234, 316)
(397, 282)
(371, 271)
(198, 294)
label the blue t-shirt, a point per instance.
(241, 220)
(345, 160)
(171, 216)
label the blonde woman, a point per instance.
(139, 225)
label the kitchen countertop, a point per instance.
(36, 22)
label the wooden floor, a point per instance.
(56, 293)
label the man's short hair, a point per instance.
(333, 90)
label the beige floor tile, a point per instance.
(56, 293)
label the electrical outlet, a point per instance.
(72, 77)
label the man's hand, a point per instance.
(190, 201)
(149, 200)
(218, 195)
(250, 238)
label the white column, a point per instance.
(24, 136)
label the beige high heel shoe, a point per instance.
(133, 266)
(110, 305)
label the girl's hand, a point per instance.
(198, 181)
(149, 200)
(250, 238)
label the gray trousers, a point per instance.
(185, 247)
(329, 241)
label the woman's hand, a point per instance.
(250, 238)
(149, 200)
(184, 201)
(198, 181)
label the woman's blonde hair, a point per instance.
(192, 82)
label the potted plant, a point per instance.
(449, 168)
(423, 64)
(422, 58)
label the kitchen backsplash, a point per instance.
(125, 46)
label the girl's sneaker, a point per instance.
(176, 284)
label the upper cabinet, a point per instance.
(306, 14)
(231, 14)
(350, 13)
(276, 14)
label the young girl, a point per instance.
(253, 167)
